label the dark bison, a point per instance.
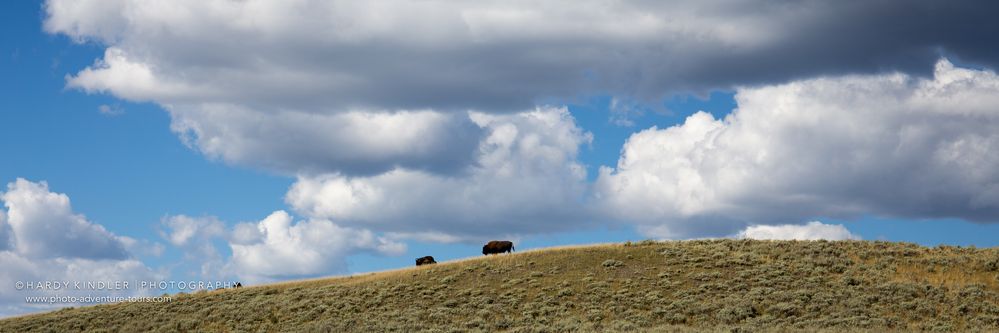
(496, 247)
(238, 285)
(425, 261)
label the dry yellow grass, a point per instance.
(713, 285)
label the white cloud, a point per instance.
(394, 55)
(368, 105)
(44, 225)
(49, 242)
(360, 88)
(353, 142)
(272, 249)
(183, 229)
(142, 247)
(525, 179)
(79, 18)
(437, 54)
(245, 233)
(890, 145)
(282, 249)
(130, 79)
(623, 112)
(74, 249)
(810, 231)
(195, 237)
(19, 268)
(110, 110)
(431, 236)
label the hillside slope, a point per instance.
(672, 286)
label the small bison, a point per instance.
(425, 261)
(496, 247)
(238, 285)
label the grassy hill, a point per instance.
(710, 285)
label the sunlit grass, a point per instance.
(707, 285)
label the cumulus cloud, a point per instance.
(44, 225)
(49, 242)
(401, 117)
(183, 230)
(890, 145)
(195, 236)
(272, 249)
(525, 179)
(354, 142)
(283, 249)
(297, 86)
(810, 231)
(437, 54)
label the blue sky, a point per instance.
(131, 172)
(125, 172)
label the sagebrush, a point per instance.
(677, 286)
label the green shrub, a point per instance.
(735, 313)
(611, 263)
